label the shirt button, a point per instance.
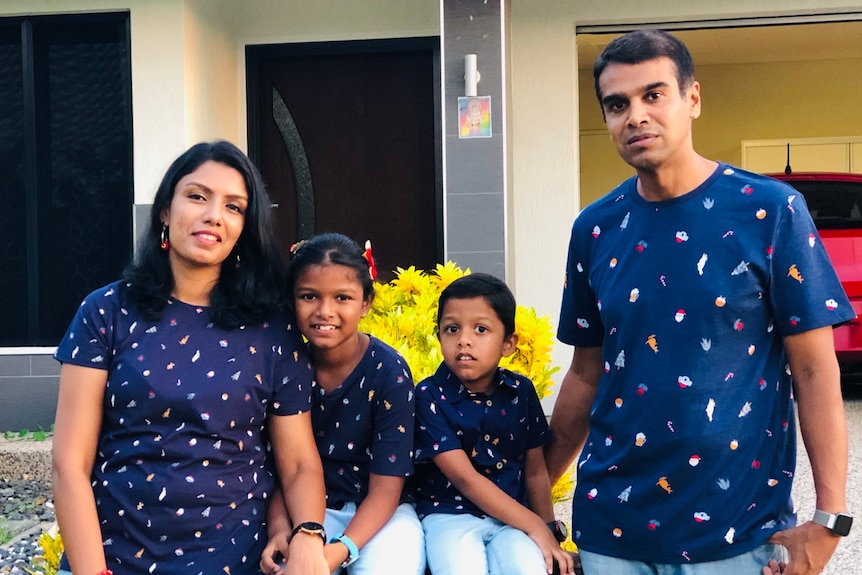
(487, 437)
(499, 465)
(489, 403)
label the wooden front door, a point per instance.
(347, 137)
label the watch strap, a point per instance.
(837, 523)
(310, 528)
(352, 549)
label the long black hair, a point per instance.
(248, 288)
(329, 248)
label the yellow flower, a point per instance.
(444, 274)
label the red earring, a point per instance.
(165, 244)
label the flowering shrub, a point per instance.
(48, 563)
(404, 315)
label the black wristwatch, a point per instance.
(838, 524)
(558, 528)
(310, 528)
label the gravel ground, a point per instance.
(25, 510)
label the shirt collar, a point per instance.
(450, 385)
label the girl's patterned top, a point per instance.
(365, 425)
(182, 472)
(692, 443)
(495, 431)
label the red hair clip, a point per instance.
(372, 269)
(295, 247)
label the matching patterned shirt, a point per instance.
(365, 425)
(495, 431)
(691, 451)
(182, 474)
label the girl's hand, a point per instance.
(306, 556)
(551, 550)
(275, 554)
(335, 554)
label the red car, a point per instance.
(835, 203)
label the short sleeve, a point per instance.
(89, 340)
(580, 323)
(434, 434)
(292, 374)
(540, 432)
(806, 293)
(392, 445)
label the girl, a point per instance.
(362, 417)
(160, 456)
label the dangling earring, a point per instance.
(165, 244)
(236, 265)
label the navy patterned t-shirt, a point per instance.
(495, 431)
(365, 425)
(182, 474)
(692, 443)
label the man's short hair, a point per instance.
(643, 45)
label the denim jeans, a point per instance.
(397, 549)
(470, 545)
(751, 563)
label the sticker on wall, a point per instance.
(474, 117)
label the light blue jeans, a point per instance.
(470, 545)
(751, 563)
(397, 549)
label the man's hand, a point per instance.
(809, 547)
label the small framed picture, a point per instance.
(474, 117)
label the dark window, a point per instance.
(65, 168)
(833, 205)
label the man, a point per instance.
(692, 291)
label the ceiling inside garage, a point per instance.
(780, 43)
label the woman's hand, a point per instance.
(275, 553)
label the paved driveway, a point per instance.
(848, 557)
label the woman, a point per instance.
(160, 457)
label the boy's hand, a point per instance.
(274, 555)
(774, 568)
(551, 550)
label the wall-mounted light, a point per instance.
(471, 75)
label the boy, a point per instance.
(483, 492)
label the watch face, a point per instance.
(558, 528)
(311, 528)
(842, 524)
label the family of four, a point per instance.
(221, 414)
